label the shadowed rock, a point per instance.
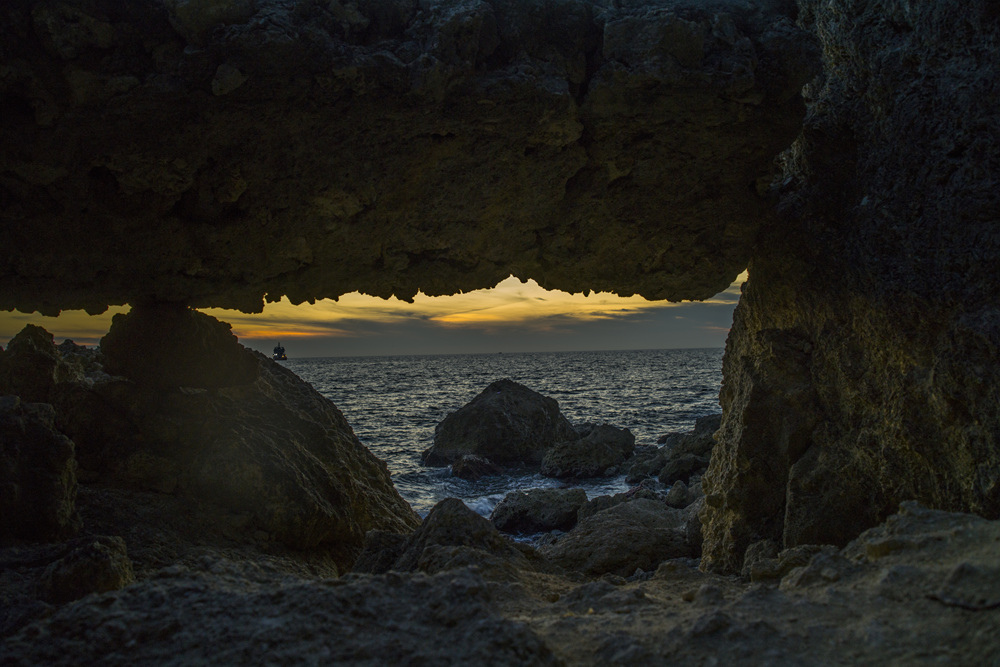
(170, 345)
(37, 473)
(98, 565)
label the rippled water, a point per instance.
(394, 403)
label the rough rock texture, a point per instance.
(862, 368)
(237, 614)
(451, 532)
(37, 473)
(273, 452)
(170, 345)
(96, 566)
(538, 510)
(598, 452)
(507, 423)
(639, 534)
(214, 152)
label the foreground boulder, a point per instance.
(96, 565)
(507, 424)
(37, 473)
(639, 534)
(538, 510)
(450, 536)
(597, 453)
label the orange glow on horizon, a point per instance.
(511, 305)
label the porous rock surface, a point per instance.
(862, 368)
(507, 424)
(210, 152)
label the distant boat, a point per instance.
(279, 353)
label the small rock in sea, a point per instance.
(472, 467)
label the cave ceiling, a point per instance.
(220, 153)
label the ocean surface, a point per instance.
(393, 404)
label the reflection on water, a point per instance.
(394, 403)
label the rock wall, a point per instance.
(212, 152)
(862, 369)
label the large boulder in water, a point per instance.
(598, 453)
(507, 423)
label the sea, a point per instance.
(393, 403)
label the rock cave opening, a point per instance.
(210, 152)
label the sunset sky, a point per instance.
(512, 317)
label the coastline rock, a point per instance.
(99, 565)
(170, 345)
(507, 423)
(472, 467)
(538, 510)
(38, 484)
(597, 453)
(652, 532)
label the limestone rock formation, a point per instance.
(861, 370)
(598, 452)
(211, 153)
(37, 473)
(507, 423)
(538, 510)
